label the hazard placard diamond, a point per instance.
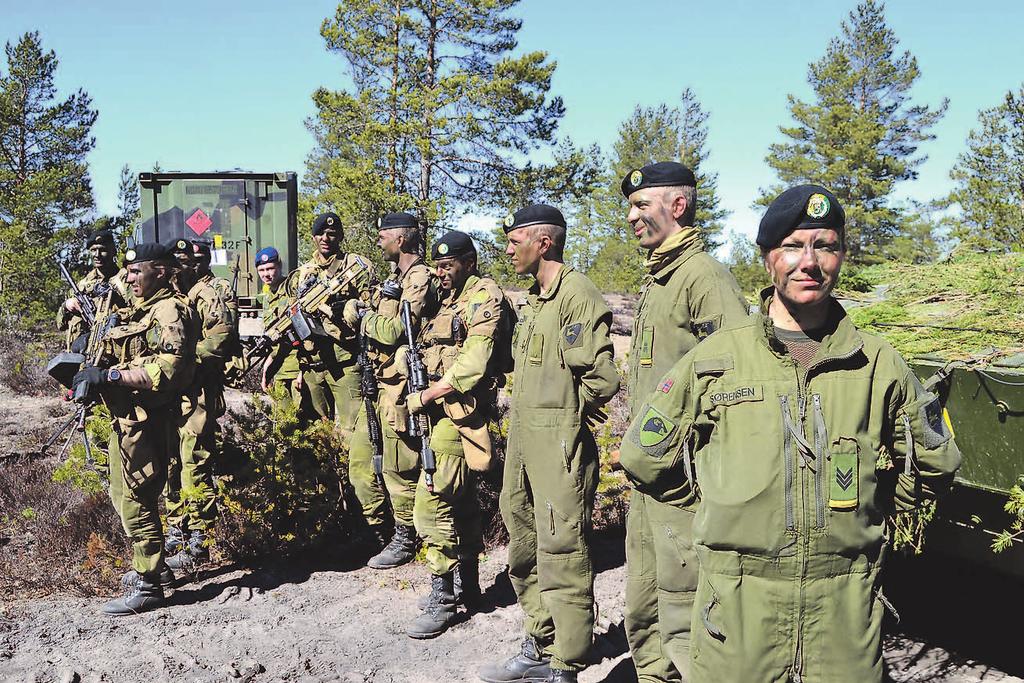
(199, 222)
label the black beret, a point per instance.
(148, 251)
(803, 206)
(101, 236)
(178, 245)
(535, 214)
(452, 243)
(326, 220)
(397, 220)
(201, 246)
(660, 174)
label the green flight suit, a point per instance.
(330, 378)
(686, 296)
(461, 345)
(791, 529)
(191, 491)
(383, 326)
(564, 372)
(73, 324)
(158, 335)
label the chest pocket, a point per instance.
(441, 339)
(131, 340)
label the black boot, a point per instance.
(166, 580)
(467, 584)
(528, 665)
(440, 611)
(174, 541)
(561, 676)
(399, 551)
(141, 595)
(193, 554)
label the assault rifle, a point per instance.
(298, 320)
(369, 389)
(84, 301)
(419, 425)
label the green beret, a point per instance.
(326, 220)
(803, 206)
(178, 245)
(148, 251)
(452, 243)
(102, 236)
(660, 174)
(397, 220)
(535, 214)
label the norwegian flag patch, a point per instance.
(666, 386)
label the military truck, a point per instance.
(239, 212)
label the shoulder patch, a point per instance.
(652, 431)
(936, 432)
(573, 334)
(702, 329)
(712, 366)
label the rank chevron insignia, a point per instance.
(844, 478)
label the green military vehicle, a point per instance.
(238, 212)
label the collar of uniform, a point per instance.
(159, 295)
(467, 286)
(842, 341)
(325, 261)
(682, 257)
(550, 294)
(403, 273)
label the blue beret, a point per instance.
(397, 220)
(148, 251)
(535, 214)
(803, 206)
(179, 245)
(267, 255)
(326, 220)
(452, 243)
(660, 174)
(101, 236)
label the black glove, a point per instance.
(86, 380)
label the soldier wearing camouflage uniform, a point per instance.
(564, 373)
(805, 437)
(146, 365)
(191, 493)
(328, 376)
(686, 296)
(282, 365)
(400, 242)
(466, 352)
(105, 279)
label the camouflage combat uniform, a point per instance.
(92, 286)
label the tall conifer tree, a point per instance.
(861, 133)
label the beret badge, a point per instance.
(509, 220)
(635, 178)
(330, 220)
(181, 244)
(130, 255)
(817, 206)
(265, 258)
(442, 249)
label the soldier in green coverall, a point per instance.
(686, 296)
(564, 373)
(465, 349)
(191, 492)
(146, 365)
(399, 240)
(805, 438)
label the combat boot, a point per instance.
(528, 665)
(141, 595)
(174, 541)
(440, 611)
(399, 551)
(193, 554)
(561, 676)
(166, 580)
(467, 584)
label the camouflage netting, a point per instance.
(969, 307)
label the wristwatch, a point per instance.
(113, 376)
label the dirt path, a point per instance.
(329, 624)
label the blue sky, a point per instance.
(203, 86)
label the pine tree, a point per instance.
(989, 178)
(604, 247)
(441, 117)
(45, 189)
(861, 134)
